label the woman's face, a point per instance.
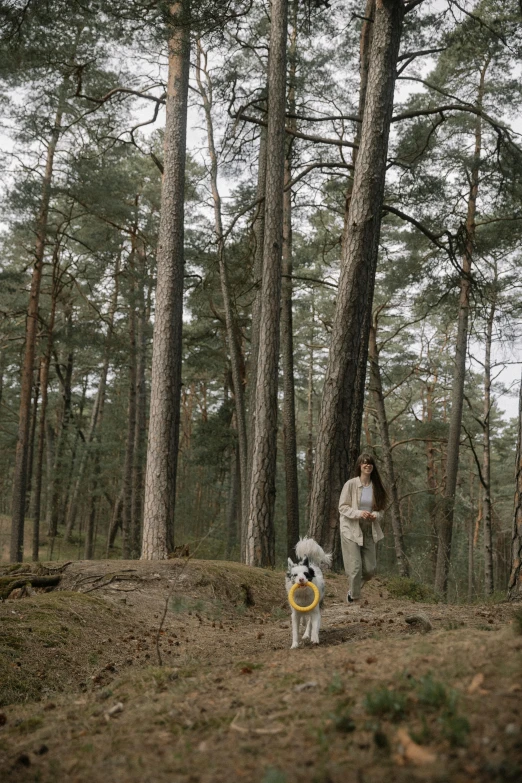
(366, 469)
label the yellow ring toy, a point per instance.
(303, 608)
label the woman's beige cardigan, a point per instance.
(350, 514)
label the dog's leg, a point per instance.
(316, 624)
(308, 629)
(295, 629)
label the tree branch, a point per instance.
(299, 135)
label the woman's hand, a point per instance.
(367, 515)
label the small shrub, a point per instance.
(404, 587)
(381, 740)
(344, 723)
(455, 728)
(386, 703)
(424, 736)
(433, 694)
(342, 718)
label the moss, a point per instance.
(403, 587)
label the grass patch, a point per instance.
(385, 703)
(432, 693)
(336, 685)
(29, 724)
(404, 587)
(455, 728)
(49, 643)
(273, 775)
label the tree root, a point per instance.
(9, 583)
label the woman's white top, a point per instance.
(351, 509)
(366, 501)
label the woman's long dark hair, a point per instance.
(380, 496)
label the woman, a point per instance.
(362, 501)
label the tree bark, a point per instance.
(32, 438)
(164, 422)
(486, 457)
(141, 410)
(233, 504)
(237, 362)
(128, 467)
(382, 421)
(514, 592)
(260, 547)
(349, 341)
(44, 383)
(257, 273)
(287, 338)
(58, 500)
(348, 434)
(445, 531)
(22, 446)
(309, 458)
(115, 522)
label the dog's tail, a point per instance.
(307, 547)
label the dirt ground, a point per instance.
(83, 696)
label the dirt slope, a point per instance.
(85, 699)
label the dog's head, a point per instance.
(301, 572)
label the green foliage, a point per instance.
(403, 587)
(386, 703)
(455, 728)
(434, 694)
(336, 685)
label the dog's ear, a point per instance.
(290, 563)
(305, 561)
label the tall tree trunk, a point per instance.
(162, 450)
(141, 411)
(22, 446)
(257, 274)
(128, 467)
(233, 504)
(309, 458)
(115, 522)
(44, 383)
(382, 421)
(97, 410)
(348, 434)
(32, 438)
(260, 547)
(90, 535)
(514, 592)
(471, 546)
(431, 480)
(50, 461)
(459, 373)
(236, 358)
(287, 337)
(349, 341)
(486, 457)
(58, 500)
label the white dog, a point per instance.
(307, 569)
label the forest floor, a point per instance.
(84, 698)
